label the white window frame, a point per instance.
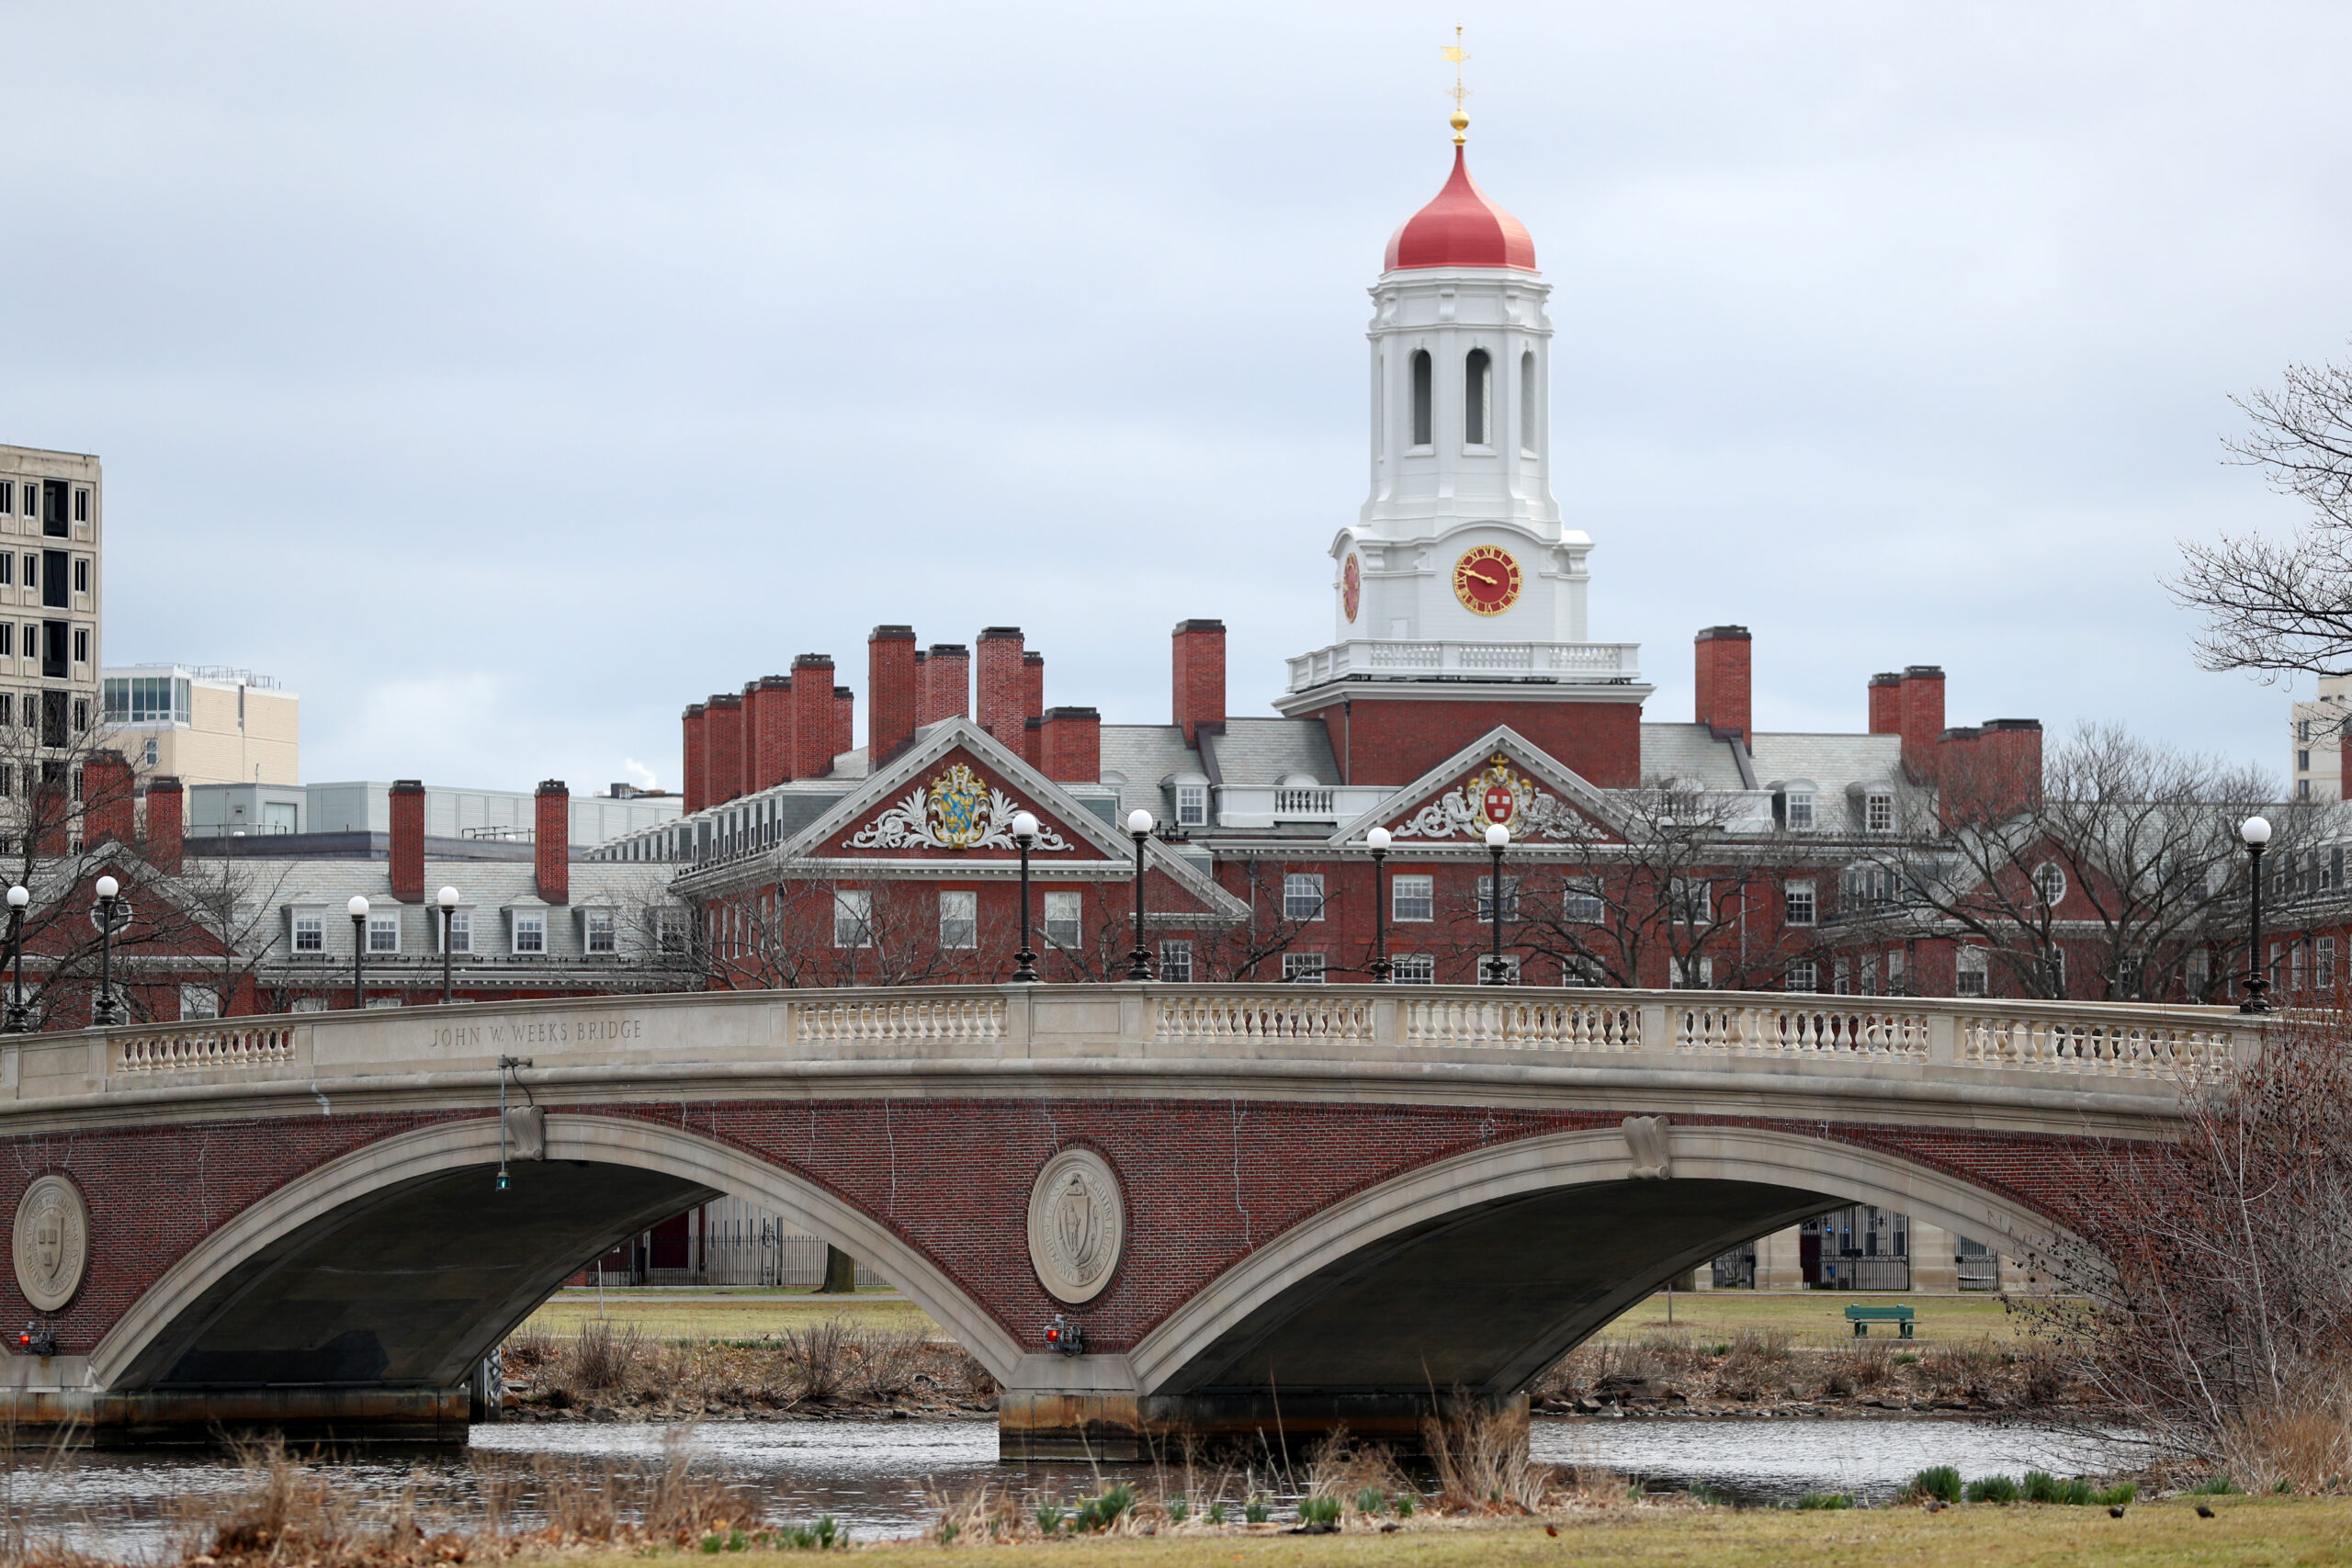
(1801, 902)
(198, 1002)
(1192, 804)
(1878, 811)
(1413, 969)
(2049, 883)
(1304, 969)
(852, 917)
(1176, 959)
(1583, 970)
(455, 931)
(600, 921)
(1802, 975)
(1582, 903)
(1302, 896)
(1797, 810)
(1412, 898)
(383, 933)
(1684, 909)
(959, 919)
(1486, 897)
(533, 922)
(2323, 963)
(1691, 974)
(1971, 971)
(1073, 904)
(304, 920)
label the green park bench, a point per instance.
(1863, 1317)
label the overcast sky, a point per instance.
(503, 377)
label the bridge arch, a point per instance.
(1279, 1317)
(275, 1258)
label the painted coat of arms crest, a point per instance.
(1077, 1225)
(956, 810)
(52, 1242)
(1498, 794)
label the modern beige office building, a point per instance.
(51, 534)
(205, 725)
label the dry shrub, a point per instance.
(1965, 1368)
(1345, 1469)
(530, 1350)
(1480, 1455)
(2301, 1445)
(675, 1498)
(1869, 1364)
(816, 1361)
(605, 1355)
(888, 1361)
(290, 1514)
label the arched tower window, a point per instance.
(1421, 436)
(1477, 376)
(1527, 402)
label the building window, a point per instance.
(54, 663)
(2295, 966)
(461, 931)
(7, 569)
(1878, 811)
(2050, 885)
(2304, 732)
(1487, 898)
(52, 580)
(1580, 969)
(1176, 959)
(1062, 919)
(1841, 977)
(1412, 899)
(1692, 901)
(1805, 975)
(32, 569)
(1894, 972)
(80, 574)
(1582, 902)
(1799, 811)
(309, 1004)
(52, 509)
(1413, 969)
(1527, 425)
(7, 495)
(2323, 963)
(2303, 762)
(1422, 398)
(1192, 806)
(669, 926)
(1477, 384)
(959, 919)
(2198, 974)
(1302, 968)
(384, 931)
(599, 933)
(853, 918)
(1693, 974)
(309, 932)
(1798, 899)
(2303, 789)
(198, 1001)
(1303, 895)
(530, 931)
(81, 644)
(151, 752)
(81, 506)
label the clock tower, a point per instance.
(1457, 584)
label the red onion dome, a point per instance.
(1461, 228)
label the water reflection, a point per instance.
(875, 1476)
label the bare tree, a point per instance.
(821, 932)
(2285, 605)
(236, 904)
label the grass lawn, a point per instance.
(1817, 1317)
(2273, 1532)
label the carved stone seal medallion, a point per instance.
(1077, 1225)
(52, 1242)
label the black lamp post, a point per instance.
(2256, 832)
(1378, 839)
(1024, 836)
(358, 908)
(1498, 841)
(1139, 828)
(448, 900)
(16, 1018)
(108, 1009)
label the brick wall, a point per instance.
(407, 846)
(723, 777)
(947, 690)
(1724, 688)
(892, 698)
(1197, 665)
(812, 723)
(694, 770)
(1394, 742)
(998, 691)
(551, 841)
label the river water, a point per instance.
(874, 1477)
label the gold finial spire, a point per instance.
(1457, 54)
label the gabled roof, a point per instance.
(1549, 802)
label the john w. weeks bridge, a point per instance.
(1254, 1204)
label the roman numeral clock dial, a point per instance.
(1486, 579)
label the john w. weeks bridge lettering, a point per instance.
(1246, 1200)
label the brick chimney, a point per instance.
(408, 841)
(1725, 702)
(694, 767)
(947, 690)
(1032, 703)
(891, 699)
(1069, 745)
(1199, 665)
(767, 732)
(1997, 767)
(843, 735)
(108, 801)
(551, 841)
(1923, 714)
(167, 824)
(1886, 704)
(724, 777)
(812, 703)
(1001, 692)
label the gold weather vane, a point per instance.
(1457, 54)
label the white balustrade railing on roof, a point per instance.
(1548, 662)
(1310, 1032)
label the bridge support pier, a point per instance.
(35, 1418)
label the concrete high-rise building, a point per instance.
(51, 541)
(203, 724)
(2316, 737)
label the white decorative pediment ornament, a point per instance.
(52, 1242)
(956, 810)
(1078, 1225)
(1651, 1160)
(1500, 794)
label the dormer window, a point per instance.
(1477, 387)
(1878, 811)
(1423, 385)
(1796, 810)
(1192, 792)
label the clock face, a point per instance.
(1352, 588)
(1486, 579)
